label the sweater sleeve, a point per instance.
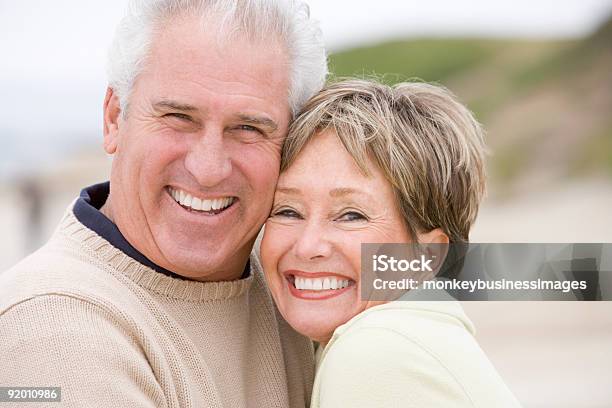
(62, 341)
(378, 367)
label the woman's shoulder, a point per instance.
(439, 328)
(402, 316)
(434, 332)
(373, 365)
(423, 351)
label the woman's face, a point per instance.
(324, 208)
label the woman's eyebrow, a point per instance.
(336, 192)
(288, 190)
(344, 191)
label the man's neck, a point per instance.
(107, 211)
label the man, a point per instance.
(147, 294)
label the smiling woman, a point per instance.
(368, 163)
(324, 208)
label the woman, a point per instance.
(368, 163)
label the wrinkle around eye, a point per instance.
(247, 134)
(180, 119)
(253, 135)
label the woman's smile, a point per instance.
(317, 285)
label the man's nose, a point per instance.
(313, 243)
(208, 160)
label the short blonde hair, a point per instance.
(427, 144)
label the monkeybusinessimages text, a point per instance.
(423, 264)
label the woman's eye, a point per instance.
(352, 216)
(287, 213)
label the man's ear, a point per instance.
(112, 115)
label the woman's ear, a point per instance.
(112, 116)
(435, 236)
(435, 245)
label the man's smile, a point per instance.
(205, 205)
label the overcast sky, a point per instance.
(52, 76)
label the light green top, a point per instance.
(408, 354)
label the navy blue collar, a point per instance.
(87, 211)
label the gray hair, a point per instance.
(288, 20)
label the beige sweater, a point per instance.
(409, 354)
(81, 315)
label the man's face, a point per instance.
(197, 157)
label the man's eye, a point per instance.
(287, 213)
(352, 216)
(249, 128)
(177, 115)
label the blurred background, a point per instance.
(536, 73)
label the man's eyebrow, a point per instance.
(166, 104)
(262, 121)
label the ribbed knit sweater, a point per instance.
(81, 315)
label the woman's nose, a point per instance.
(208, 160)
(313, 243)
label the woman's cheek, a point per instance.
(274, 245)
(268, 251)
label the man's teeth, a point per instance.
(320, 283)
(195, 203)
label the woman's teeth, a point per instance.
(320, 283)
(198, 204)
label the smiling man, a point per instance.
(147, 294)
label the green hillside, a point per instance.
(546, 105)
(431, 60)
